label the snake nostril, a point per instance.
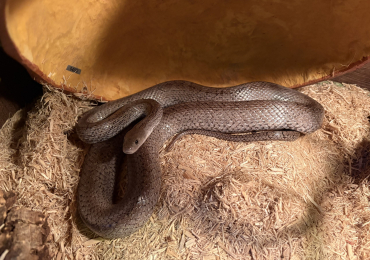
(136, 142)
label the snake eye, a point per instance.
(136, 141)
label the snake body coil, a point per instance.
(256, 106)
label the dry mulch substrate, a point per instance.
(307, 199)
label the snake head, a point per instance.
(134, 140)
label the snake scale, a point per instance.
(184, 107)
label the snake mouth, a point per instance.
(128, 150)
(130, 147)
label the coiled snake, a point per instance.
(189, 107)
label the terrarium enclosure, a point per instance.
(307, 199)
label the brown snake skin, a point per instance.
(212, 111)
